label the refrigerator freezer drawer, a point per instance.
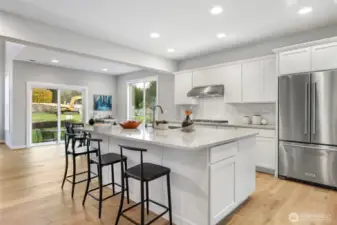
(307, 162)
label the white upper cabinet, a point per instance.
(295, 61)
(269, 80)
(183, 84)
(232, 82)
(208, 77)
(252, 74)
(324, 57)
(259, 81)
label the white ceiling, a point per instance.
(185, 25)
(72, 61)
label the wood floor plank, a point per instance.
(30, 193)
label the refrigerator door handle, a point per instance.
(314, 108)
(306, 108)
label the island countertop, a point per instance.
(201, 138)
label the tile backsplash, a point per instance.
(216, 109)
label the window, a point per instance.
(142, 97)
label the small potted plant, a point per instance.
(187, 125)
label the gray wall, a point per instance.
(23, 72)
(2, 89)
(165, 94)
(262, 48)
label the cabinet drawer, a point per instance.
(262, 132)
(223, 151)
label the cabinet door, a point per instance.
(252, 81)
(265, 153)
(222, 188)
(208, 77)
(232, 83)
(269, 80)
(245, 174)
(182, 85)
(324, 57)
(295, 61)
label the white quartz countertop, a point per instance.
(201, 138)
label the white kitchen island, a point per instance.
(212, 170)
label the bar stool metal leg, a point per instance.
(113, 179)
(169, 198)
(142, 219)
(127, 182)
(65, 171)
(121, 201)
(100, 178)
(88, 183)
(147, 197)
(74, 177)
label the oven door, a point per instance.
(308, 162)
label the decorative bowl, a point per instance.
(130, 124)
(189, 128)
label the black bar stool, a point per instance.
(74, 152)
(102, 160)
(144, 172)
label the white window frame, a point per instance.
(141, 80)
(59, 88)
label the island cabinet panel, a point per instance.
(222, 189)
(245, 169)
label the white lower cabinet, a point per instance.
(222, 192)
(265, 153)
(232, 177)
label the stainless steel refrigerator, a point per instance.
(308, 127)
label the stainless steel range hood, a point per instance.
(207, 91)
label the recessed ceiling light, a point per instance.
(55, 61)
(305, 10)
(216, 10)
(154, 35)
(105, 69)
(170, 50)
(221, 35)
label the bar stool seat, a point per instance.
(150, 171)
(82, 150)
(108, 159)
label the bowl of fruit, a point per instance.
(130, 124)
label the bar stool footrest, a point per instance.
(151, 221)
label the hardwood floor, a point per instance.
(30, 193)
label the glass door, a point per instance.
(44, 115)
(51, 108)
(71, 109)
(142, 97)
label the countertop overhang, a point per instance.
(201, 138)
